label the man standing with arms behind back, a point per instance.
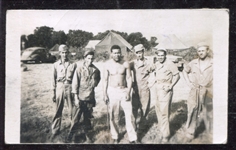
(63, 71)
(117, 88)
(85, 79)
(167, 75)
(200, 96)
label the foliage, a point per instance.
(58, 37)
(137, 38)
(78, 38)
(101, 35)
(43, 35)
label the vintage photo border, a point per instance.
(9, 57)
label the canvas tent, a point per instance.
(175, 46)
(113, 39)
(171, 42)
(91, 44)
(54, 48)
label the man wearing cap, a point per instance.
(63, 71)
(117, 88)
(141, 91)
(198, 75)
(167, 75)
(85, 79)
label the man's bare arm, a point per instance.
(105, 84)
(186, 78)
(128, 77)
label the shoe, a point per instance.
(69, 138)
(135, 142)
(88, 141)
(53, 136)
(115, 141)
(164, 141)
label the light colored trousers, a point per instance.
(117, 99)
(163, 109)
(199, 109)
(63, 91)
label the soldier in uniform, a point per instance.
(141, 91)
(199, 76)
(85, 79)
(167, 75)
(117, 88)
(63, 71)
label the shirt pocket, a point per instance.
(61, 73)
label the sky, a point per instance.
(190, 26)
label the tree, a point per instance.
(23, 41)
(101, 35)
(78, 38)
(58, 37)
(137, 38)
(153, 42)
(43, 36)
(31, 41)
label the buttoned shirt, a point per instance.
(165, 71)
(62, 72)
(84, 81)
(141, 74)
(203, 78)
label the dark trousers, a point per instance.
(81, 117)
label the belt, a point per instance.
(65, 82)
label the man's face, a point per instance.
(202, 52)
(64, 54)
(161, 56)
(140, 55)
(89, 59)
(116, 55)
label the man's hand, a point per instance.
(76, 101)
(106, 99)
(127, 97)
(167, 88)
(54, 97)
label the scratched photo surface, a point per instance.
(33, 39)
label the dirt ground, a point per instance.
(37, 110)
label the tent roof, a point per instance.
(113, 38)
(171, 42)
(92, 44)
(55, 48)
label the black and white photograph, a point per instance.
(117, 76)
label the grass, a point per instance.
(37, 110)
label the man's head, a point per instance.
(139, 51)
(63, 51)
(202, 50)
(161, 55)
(116, 53)
(89, 57)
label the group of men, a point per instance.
(128, 85)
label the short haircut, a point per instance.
(115, 47)
(161, 51)
(89, 53)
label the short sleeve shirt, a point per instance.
(165, 71)
(203, 78)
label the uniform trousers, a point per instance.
(199, 109)
(163, 109)
(63, 92)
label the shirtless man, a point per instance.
(117, 88)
